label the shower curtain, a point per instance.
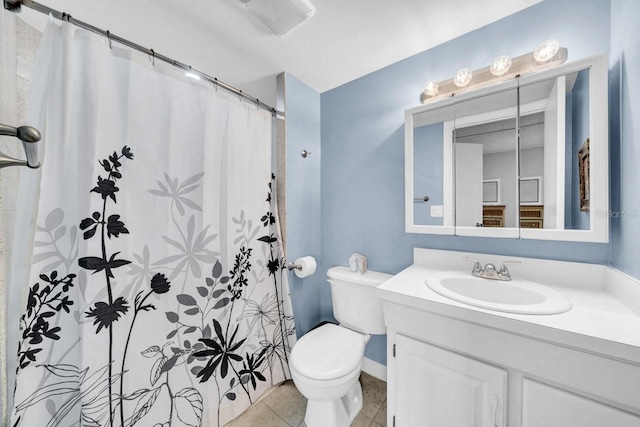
(154, 291)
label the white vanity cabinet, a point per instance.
(436, 387)
(447, 359)
(445, 372)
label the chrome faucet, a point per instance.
(489, 271)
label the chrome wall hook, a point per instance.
(305, 154)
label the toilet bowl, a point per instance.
(326, 362)
(325, 367)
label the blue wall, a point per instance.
(428, 174)
(302, 109)
(625, 135)
(362, 173)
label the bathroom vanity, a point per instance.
(456, 364)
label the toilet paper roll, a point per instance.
(308, 264)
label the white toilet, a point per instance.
(326, 362)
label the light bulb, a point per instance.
(431, 88)
(463, 77)
(500, 65)
(546, 50)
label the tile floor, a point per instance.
(285, 406)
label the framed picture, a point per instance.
(531, 190)
(491, 192)
(583, 174)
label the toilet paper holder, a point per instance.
(293, 266)
(303, 267)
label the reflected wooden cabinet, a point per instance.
(531, 216)
(493, 215)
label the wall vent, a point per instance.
(281, 16)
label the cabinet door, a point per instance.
(437, 388)
(547, 406)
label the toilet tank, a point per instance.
(355, 304)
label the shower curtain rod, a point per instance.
(14, 6)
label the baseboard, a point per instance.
(374, 369)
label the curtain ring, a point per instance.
(152, 57)
(215, 83)
(109, 39)
(64, 16)
(69, 17)
(257, 104)
(240, 95)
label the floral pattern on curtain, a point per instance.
(157, 294)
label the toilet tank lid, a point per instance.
(371, 278)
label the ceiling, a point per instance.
(343, 41)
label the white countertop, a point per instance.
(598, 322)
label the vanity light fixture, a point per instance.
(500, 65)
(430, 88)
(503, 67)
(546, 50)
(463, 77)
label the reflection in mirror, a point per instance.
(485, 161)
(431, 206)
(556, 196)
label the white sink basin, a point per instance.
(515, 296)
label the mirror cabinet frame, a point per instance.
(599, 159)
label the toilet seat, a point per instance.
(328, 352)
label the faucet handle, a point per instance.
(504, 271)
(477, 268)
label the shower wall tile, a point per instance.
(28, 39)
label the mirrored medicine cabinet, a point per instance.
(526, 158)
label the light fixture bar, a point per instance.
(520, 66)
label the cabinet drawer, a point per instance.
(547, 406)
